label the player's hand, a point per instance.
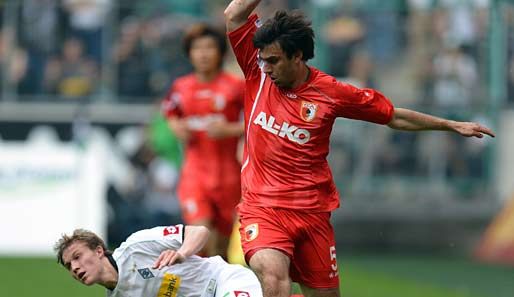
(217, 129)
(168, 258)
(181, 129)
(470, 129)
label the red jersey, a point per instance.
(288, 131)
(210, 161)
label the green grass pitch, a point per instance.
(361, 276)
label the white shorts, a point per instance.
(237, 281)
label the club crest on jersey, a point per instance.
(145, 273)
(171, 230)
(251, 232)
(308, 111)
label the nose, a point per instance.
(74, 268)
(266, 68)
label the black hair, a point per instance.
(201, 30)
(292, 30)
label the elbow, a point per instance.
(204, 231)
(230, 15)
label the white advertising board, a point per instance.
(47, 190)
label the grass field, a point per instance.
(361, 276)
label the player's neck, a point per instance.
(207, 76)
(109, 277)
(303, 75)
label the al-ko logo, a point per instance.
(292, 133)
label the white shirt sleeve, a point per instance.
(170, 237)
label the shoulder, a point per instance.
(184, 81)
(231, 80)
(325, 83)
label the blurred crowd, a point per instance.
(72, 49)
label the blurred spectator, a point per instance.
(163, 141)
(455, 77)
(360, 70)
(87, 19)
(128, 57)
(148, 58)
(13, 60)
(70, 75)
(343, 35)
(39, 34)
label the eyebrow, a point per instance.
(68, 264)
(270, 57)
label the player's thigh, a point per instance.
(193, 202)
(259, 229)
(224, 209)
(238, 281)
(315, 261)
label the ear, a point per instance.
(99, 251)
(297, 57)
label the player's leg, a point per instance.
(268, 248)
(272, 269)
(224, 214)
(315, 262)
(197, 211)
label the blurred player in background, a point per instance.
(204, 109)
(290, 108)
(155, 262)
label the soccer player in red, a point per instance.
(287, 188)
(204, 110)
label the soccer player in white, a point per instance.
(157, 262)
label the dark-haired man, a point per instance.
(290, 108)
(204, 109)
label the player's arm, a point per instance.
(237, 12)
(409, 120)
(223, 129)
(195, 238)
(180, 128)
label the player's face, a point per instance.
(281, 69)
(204, 54)
(83, 263)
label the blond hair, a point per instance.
(79, 235)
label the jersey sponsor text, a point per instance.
(292, 133)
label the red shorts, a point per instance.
(307, 238)
(219, 206)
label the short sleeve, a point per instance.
(362, 104)
(170, 105)
(171, 236)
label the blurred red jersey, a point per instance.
(209, 161)
(288, 131)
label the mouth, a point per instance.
(81, 275)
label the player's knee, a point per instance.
(272, 269)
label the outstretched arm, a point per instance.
(195, 237)
(237, 13)
(409, 120)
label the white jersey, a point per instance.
(195, 277)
